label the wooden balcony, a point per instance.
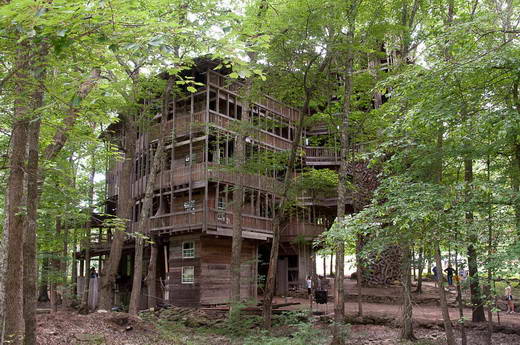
(304, 230)
(214, 221)
(321, 155)
(199, 174)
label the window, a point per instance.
(188, 250)
(188, 275)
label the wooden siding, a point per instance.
(184, 294)
(216, 271)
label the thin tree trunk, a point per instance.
(56, 269)
(489, 294)
(448, 328)
(358, 276)
(280, 218)
(43, 295)
(147, 206)
(238, 198)
(406, 280)
(460, 303)
(151, 279)
(135, 296)
(30, 265)
(338, 337)
(125, 203)
(420, 268)
(478, 314)
(84, 307)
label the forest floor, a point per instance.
(184, 326)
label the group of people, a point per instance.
(450, 275)
(461, 277)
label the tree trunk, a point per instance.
(57, 267)
(147, 206)
(448, 328)
(359, 280)
(151, 279)
(478, 314)
(460, 305)
(338, 337)
(14, 220)
(420, 268)
(29, 247)
(43, 295)
(238, 198)
(135, 296)
(280, 216)
(84, 307)
(406, 280)
(125, 203)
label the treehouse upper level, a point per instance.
(192, 188)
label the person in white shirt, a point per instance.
(508, 292)
(309, 285)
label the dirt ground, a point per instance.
(377, 328)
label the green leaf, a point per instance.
(191, 89)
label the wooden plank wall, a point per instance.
(216, 261)
(184, 294)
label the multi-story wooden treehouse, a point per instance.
(192, 217)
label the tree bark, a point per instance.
(359, 272)
(448, 328)
(14, 220)
(238, 197)
(151, 278)
(125, 203)
(478, 314)
(406, 281)
(420, 268)
(147, 206)
(338, 337)
(29, 246)
(43, 295)
(280, 216)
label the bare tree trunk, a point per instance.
(57, 269)
(151, 279)
(147, 205)
(124, 211)
(238, 197)
(135, 296)
(43, 295)
(464, 339)
(338, 337)
(14, 220)
(478, 314)
(30, 265)
(450, 338)
(359, 280)
(420, 268)
(84, 307)
(406, 280)
(280, 218)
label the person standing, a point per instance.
(449, 272)
(508, 292)
(309, 285)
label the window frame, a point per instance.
(183, 276)
(184, 256)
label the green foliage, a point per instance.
(305, 334)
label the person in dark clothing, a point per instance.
(449, 273)
(93, 273)
(435, 274)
